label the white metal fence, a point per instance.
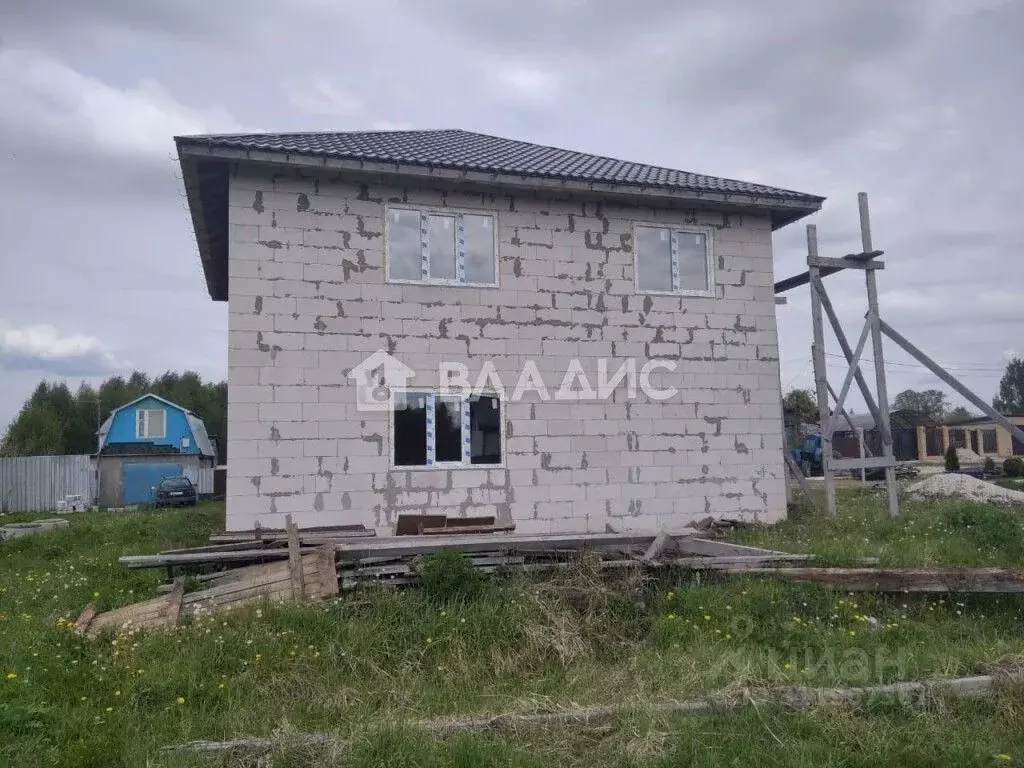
(201, 477)
(36, 483)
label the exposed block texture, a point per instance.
(308, 301)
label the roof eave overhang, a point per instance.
(196, 158)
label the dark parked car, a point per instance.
(172, 491)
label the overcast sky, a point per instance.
(917, 102)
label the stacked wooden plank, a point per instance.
(158, 612)
(315, 564)
(302, 574)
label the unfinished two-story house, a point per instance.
(443, 322)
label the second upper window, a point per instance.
(674, 261)
(450, 247)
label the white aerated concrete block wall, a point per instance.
(309, 300)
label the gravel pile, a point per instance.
(966, 455)
(954, 486)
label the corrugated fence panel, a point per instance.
(37, 483)
(201, 477)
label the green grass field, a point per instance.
(364, 664)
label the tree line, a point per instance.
(929, 403)
(58, 421)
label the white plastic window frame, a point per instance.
(460, 246)
(467, 456)
(142, 424)
(709, 293)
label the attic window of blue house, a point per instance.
(150, 423)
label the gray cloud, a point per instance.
(910, 101)
(43, 349)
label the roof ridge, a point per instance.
(570, 161)
(263, 134)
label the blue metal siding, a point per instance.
(122, 429)
(139, 479)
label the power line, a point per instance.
(957, 367)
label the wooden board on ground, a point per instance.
(324, 532)
(693, 545)
(274, 581)
(465, 530)
(400, 546)
(910, 693)
(201, 558)
(905, 579)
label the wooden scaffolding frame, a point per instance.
(875, 328)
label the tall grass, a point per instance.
(366, 663)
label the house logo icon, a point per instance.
(375, 379)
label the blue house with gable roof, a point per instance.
(144, 441)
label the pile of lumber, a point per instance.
(315, 564)
(395, 561)
(302, 573)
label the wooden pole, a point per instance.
(939, 371)
(854, 367)
(799, 477)
(294, 558)
(821, 375)
(845, 415)
(876, 344)
(860, 442)
(910, 693)
(833, 318)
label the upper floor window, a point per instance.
(150, 423)
(670, 260)
(449, 247)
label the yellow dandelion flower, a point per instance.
(852, 633)
(181, 700)
(444, 613)
(12, 675)
(259, 656)
(787, 666)
(706, 617)
(117, 693)
(430, 640)
(221, 685)
(95, 594)
(1004, 757)
(109, 709)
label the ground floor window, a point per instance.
(988, 441)
(428, 429)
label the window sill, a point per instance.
(440, 283)
(446, 466)
(692, 294)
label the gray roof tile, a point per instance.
(464, 150)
